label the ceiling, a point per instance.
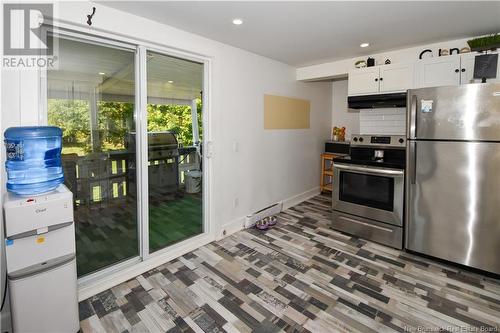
(303, 33)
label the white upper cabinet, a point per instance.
(396, 77)
(467, 68)
(442, 71)
(380, 79)
(450, 70)
(363, 81)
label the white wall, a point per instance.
(270, 165)
(339, 68)
(341, 115)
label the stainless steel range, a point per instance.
(368, 189)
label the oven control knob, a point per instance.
(360, 139)
(355, 139)
(401, 140)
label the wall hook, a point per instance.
(89, 17)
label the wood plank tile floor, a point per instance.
(301, 276)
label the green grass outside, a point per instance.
(173, 221)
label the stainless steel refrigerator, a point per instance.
(453, 174)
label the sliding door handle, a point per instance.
(209, 149)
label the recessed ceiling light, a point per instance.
(170, 81)
(364, 44)
(102, 73)
(237, 21)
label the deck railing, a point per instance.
(98, 179)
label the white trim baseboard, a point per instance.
(296, 199)
(238, 223)
(230, 228)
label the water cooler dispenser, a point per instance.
(41, 263)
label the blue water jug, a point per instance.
(33, 159)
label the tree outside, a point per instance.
(115, 120)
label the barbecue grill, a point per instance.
(163, 160)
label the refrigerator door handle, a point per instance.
(413, 162)
(413, 117)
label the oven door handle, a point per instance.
(374, 171)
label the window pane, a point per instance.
(174, 137)
(91, 98)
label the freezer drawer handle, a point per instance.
(41, 267)
(365, 224)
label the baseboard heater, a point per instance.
(260, 214)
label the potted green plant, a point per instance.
(491, 42)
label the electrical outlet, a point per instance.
(236, 146)
(236, 202)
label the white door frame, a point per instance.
(108, 277)
(141, 125)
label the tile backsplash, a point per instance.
(382, 121)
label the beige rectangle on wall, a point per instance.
(286, 113)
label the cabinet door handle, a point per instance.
(456, 70)
(381, 78)
(376, 80)
(463, 70)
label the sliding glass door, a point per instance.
(91, 98)
(174, 126)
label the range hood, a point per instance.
(394, 100)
